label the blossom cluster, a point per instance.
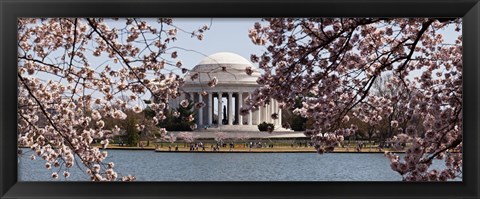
(333, 64)
(77, 74)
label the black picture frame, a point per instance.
(11, 9)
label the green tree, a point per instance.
(180, 122)
(132, 134)
(265, 126)
(297, 122)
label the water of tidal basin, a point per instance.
(152, 166)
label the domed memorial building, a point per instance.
(224, 100)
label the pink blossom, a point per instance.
(66, 174)
(249, 70)
(394, 123)
(184, 103)
(213, 82)
(54, 175)
(137, 109)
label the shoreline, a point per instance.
(241, 150)
(278, 151)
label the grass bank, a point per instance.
(283, 149)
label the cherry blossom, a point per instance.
(74, 74)
(332, 65)
(188, 137)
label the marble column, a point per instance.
(259, 115)
(200, 111)
(279, 117)
(265, 118)
(274, 110)
(269, 113)
(230, 108)
(220, 108)
(210, 108)
(278, 113)
(240, 100)
(192, 100)
(250, 113)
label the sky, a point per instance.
(230, 35)
(223, 35)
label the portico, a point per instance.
(223, 102)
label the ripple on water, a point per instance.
(151, 166)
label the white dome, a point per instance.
(224, 58)
(228, 68)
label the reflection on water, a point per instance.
(152, 166)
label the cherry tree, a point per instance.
(73, 73)
(187, 137)
(220, 137)
(339, 59)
